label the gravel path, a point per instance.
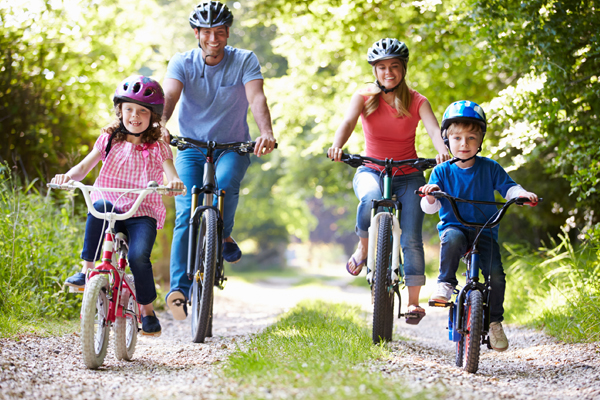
(534, 367)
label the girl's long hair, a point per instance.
(402, 97)
(151, 135)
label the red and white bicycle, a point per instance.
(109, 297)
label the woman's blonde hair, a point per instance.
(151, 135)
(402, 97)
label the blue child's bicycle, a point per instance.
(469, 314)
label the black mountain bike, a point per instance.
(205, 249)
(469, 315)
(385, 270)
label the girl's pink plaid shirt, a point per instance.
(130, 166)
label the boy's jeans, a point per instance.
(455, 241)
(230, 171)
(367, 187)
(141, 234)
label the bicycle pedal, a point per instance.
(78, 289)
(433, 303)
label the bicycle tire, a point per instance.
(473, 321)
(203, 282)
(95, 330)
(382, 315)
(460, 351)
(126, 331)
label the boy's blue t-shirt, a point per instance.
(214, 107)
(476, 183)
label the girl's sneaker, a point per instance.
(498, 339)
(150, 325)
(77, 280)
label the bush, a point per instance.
(39, 248)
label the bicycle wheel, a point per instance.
(473, 320)
(460, 351)
(95, 329)
(204, 276)
(383, 296)
(126, 330)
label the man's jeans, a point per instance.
(230, 171)
(455, 241)
(367, 187)
(141, 234)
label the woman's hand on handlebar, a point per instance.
(440, 158)
(335, 153)
(428, 189)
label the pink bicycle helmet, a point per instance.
(141, 90)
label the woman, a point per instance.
(390, 113)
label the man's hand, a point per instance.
(165, 135)
(264, 144)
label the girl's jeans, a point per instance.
(141, 234)
(455, 241)
(368, 186)
(230, 171)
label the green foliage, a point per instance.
(38, 250)
(318, 349)
(556, 288)
(61, 61)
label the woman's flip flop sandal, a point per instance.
(414, 315)
(359, 266)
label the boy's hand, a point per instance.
(428, 189)
(176, 184)
(531, 196)
(60, 179)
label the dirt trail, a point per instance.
(534, 367)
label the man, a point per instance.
(216, 84)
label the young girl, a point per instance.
(132, 154)
(390, 113)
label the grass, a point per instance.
(319, 350)
(13, 328)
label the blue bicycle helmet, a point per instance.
(463, 111)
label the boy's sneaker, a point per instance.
(150, 325)
(498, 339)
(443, 292)
(77, 280)
(177, 304)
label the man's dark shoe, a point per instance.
(231, 252)
(150, 325)
(77, 280)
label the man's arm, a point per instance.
(172, 88)
(260, 110)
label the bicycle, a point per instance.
(385, 270)
(469, 314)
(205, 267)
(109, 295)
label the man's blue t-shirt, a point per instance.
(475, 183)
(214, 107)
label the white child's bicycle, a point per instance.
(109, 296)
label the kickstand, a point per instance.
(397, 291)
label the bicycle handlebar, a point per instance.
(153, 187)
(520, 201)
(183, 143)
(356, 160)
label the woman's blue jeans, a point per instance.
(368, 186)
(455, 241)
(141, 234)
(230, 171)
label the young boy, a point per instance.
(473, 178)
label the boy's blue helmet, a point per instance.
(464, 111)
